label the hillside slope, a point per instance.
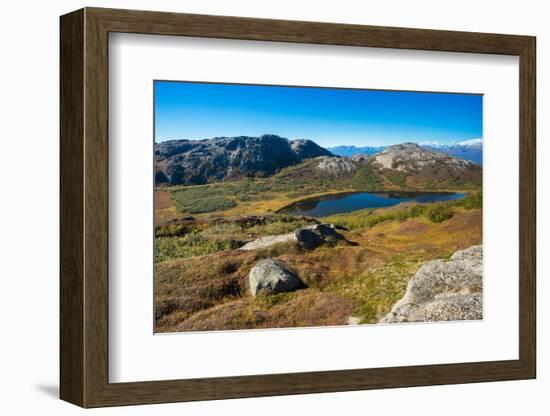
(403, 166)
(410, 159)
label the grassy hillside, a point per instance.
(201, 275)
(360, 281)
(264, 195)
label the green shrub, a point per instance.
(438, 212)
(398, 178)
(168, 248)
(281, 226)
(375, 291)
(171, 230)
(366, 179)
(403, 215)
(361, 219)
(471, 201)
(228, 228)
(417, 210)
(266, 301)
(197, 200)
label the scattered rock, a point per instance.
(314, 236)
(353, 320)
(309, 237)
(443, 290)
(272, 276)
(268, 241)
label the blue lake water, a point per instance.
(343, 203)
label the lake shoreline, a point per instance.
(392, 194)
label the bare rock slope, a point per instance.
(336, 166)
(443, 290)
(195, 162)
(410, 158)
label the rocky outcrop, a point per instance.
(307, 149)
(412, 159)
(269, 241)
(309, 237)
(443, 290)
(271, 276)
(337, 166)
(195, 162)
(313, 236)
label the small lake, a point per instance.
(348, 202)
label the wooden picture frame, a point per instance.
(84, 207)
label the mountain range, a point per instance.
(470, 149)
(406, 165)
(354, 150)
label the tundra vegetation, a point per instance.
(202, 272)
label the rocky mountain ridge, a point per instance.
(195, 162)
(407, 165)
(468, 149)
(412, 159)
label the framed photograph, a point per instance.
(255, 207)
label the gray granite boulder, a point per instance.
(443, 290)
(309, 237)
(313, 236)
(269, 241)
(271, 276)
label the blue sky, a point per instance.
(328, 116)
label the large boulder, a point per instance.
(309, 237)
(443, 290)
(313, 236)
(271, 276)
(269, 241)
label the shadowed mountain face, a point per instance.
(194, 162)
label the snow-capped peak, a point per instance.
(467, 143)
(434, 143)
(472, 142)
